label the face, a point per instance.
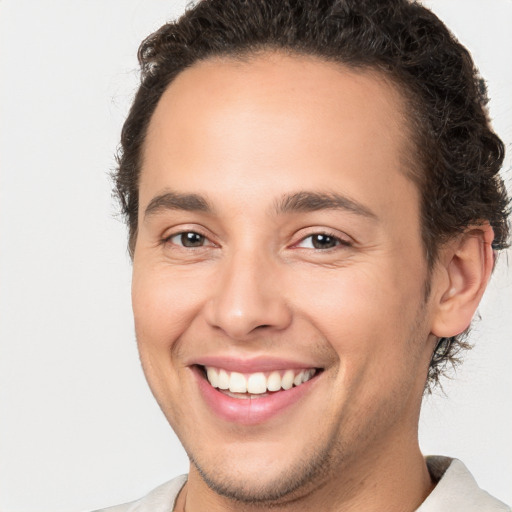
(279, 275)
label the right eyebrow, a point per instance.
(177, 201)
(308, 201)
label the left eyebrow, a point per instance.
(306, 201)
(178, 201)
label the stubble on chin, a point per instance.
(295, 483)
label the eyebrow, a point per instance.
(306, 201)
(303, 201)
(177, 201)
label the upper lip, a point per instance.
(251, 365)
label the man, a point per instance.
(314, 207)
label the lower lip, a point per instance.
(249, 411)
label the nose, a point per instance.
(248, 297)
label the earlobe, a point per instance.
(466, 264)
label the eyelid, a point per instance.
(343, 241)
(177, 231)
(206, 242)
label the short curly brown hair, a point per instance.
(457, 156)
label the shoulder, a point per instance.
(457, 490)
(160, 499)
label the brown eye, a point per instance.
(320, 241)
(188, 239)
(324, 241)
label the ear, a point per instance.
(462, 272)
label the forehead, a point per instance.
(276, 120)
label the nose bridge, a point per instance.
(247, 294)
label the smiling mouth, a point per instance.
(258, 384)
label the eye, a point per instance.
(321, 241)
(188, 239)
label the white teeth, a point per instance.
(213, 377)
(223, 379)
(298, 380)
(273, 382)
(237, 383)
(287, 380)
(257, 383)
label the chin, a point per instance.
(266, 482)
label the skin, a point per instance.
(243, 135)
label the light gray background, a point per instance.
(78, 426)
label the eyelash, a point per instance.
(204, 238)
(336, 239)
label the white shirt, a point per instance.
(456, 491)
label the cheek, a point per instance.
(164, 304)
(374, 326)
(366, 314)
